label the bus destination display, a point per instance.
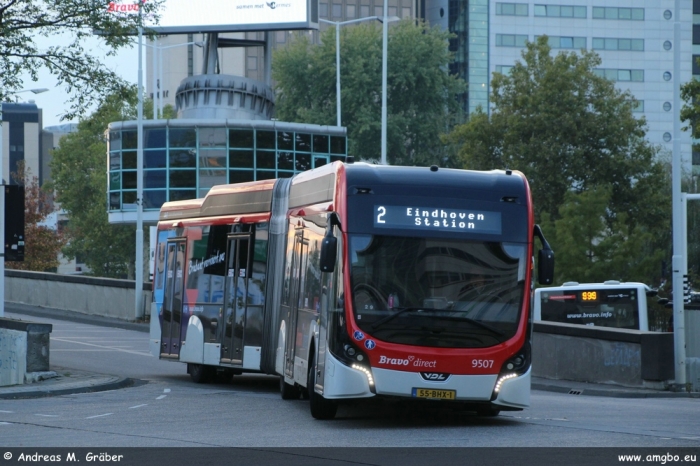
(437, 218)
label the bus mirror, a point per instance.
(545, 267)
(329, 248)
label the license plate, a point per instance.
(434, 394)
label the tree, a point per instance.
(591, 248)
(85, 78)
(571, 131)
(421, 95)
(80, 181)
(42, 243)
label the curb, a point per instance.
(116, 383)
(618, 392)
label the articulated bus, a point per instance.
(354, 281)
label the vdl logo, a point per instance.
(435, 376)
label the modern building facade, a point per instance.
(634, 38)
(21, 139)
(184, 158)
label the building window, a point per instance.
(323, 10)
(511, 40)
(639, 107)
(696, 66)
(696, 7)
(696, 34)
(620, 75)
(350, 11)
(406, 13)
(364, 11)
(607, 43)
(557, 42)
(560, 11)
(511, 9)
(630, 14)
(337, 10)
(252, 63)
(503, 69)
(667, 106)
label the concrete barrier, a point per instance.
(88, 295)
(560, 351)
(24, 350)
(631, 358)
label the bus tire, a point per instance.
(199, 372)
(321, 408)
(287, 391)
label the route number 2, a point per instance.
(381, 212)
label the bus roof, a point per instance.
(226, 199)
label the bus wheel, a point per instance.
(288, 392)
(321, 408)
(199, 372)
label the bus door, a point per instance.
(172, 300)
(301, 246)
(238, 274)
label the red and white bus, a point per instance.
(355, 281)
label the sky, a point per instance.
(53, 103)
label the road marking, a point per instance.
(166, 390)
(5, 423)
(47, 415)
(99, 415)
(139, 353)
(1, 411)
(161, 397)
(138, 406)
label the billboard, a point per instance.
(201, 16)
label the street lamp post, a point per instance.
(2, 206)
(337, 25)
(157, 65)
(385, 40)
(138, 266)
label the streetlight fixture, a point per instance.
(157, 64)
(2, 207)
(337, 25)
(33, 91)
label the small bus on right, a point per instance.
(611, 304)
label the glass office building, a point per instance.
(184, 158)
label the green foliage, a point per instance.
(421, 95)
(591, 248)
(24, 24)
(80, 182)
(597, 182)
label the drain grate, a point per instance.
(575, 392)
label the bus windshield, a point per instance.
(437, 292)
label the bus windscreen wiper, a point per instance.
(476, 323)
(395, 314)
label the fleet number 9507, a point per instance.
(482, 363)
